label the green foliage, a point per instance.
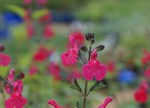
(112, 9)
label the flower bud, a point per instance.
(2, 48)
(90, 37)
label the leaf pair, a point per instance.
(97, 85)
(76, 86)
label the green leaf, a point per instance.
(16, 9)
(76, 86)
(84, 48)
(4, 84)
(77, 105)
(39, 13)
(80, 57)
(99, 47)
(97, 85)
(1, 78)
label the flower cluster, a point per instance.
(146, 57)
(14, 87)
(13, 84)
(4, 58)
(141, 94)
(91, 69)
(43, 19)
(71, 56)
(56, 105)
(94, 68)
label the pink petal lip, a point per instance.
(4, 59)
(53, 103)
(106, 102)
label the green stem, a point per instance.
(3, 96)
(85, 95)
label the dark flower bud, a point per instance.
(19, 77)
(90, 36)
(2, 48)
(92, 41)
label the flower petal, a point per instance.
(4, 59)
(106, 102)
(87, 72)
(100, 72)
(53, 103)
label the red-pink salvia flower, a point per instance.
(45, 18)
(146, 57)
(16, 100)
(94, 68)
(4, 59)
(48, 32)
(74, 74)
(147, 73)
(42, 54)
(70, 57)
(27, 2)
(30, 30)
(141, 94)
(33, 70)
(106, 102)
(78, 38)
(53, 103)
(111, 67)
(42, 2)
(144, 85)
(17, 85)
(27, 16)
(54, 70)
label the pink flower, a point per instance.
(27, 16)
(144, 85)
(4, 59)
(53, 103)
(146, 57)
(54, 70)
(30, 30)
(33, 70)
(147, 73)
(78, 38)
(70, 57)
(74, 74)
(106, 102)
(42, 2)
(16, 100)
(94, 68)
(17, 85)
(141, 94)
(45, 18)
(48, 32)
(41, 54)
(111, 67)
(27, 2)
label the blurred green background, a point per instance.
(122, 26)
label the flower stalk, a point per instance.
(86, 83)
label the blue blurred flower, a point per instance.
(12, 18)
(126, 76)
(4, 34)
(7, 20)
